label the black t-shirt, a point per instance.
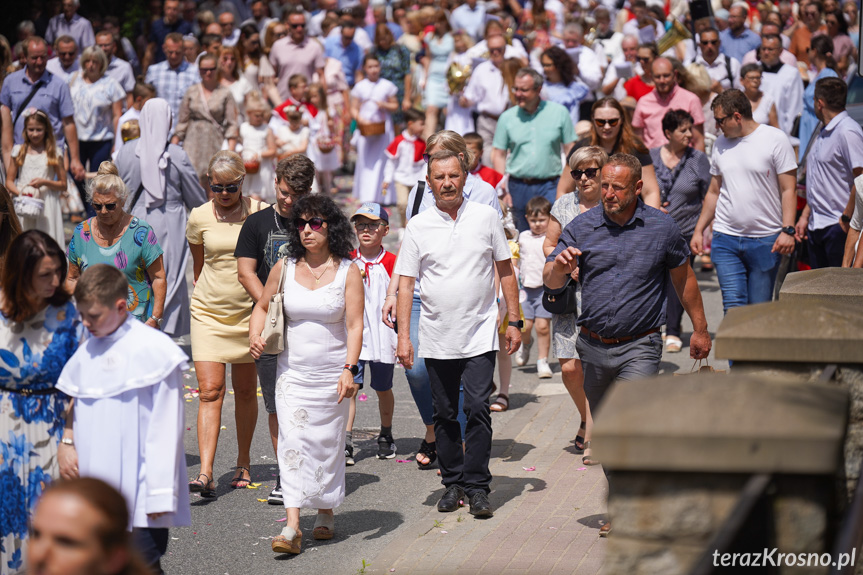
(261, 238)
(643, 158)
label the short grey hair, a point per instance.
(96, 54)
(587, 155)
(447, 154)
(27, 27)
(527, 71)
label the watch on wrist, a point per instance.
(67, 441)
(158, 321)
(845, 219)
(353, 368)
(789, 230)
(519, 324)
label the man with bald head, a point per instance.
(737, 39)
(230, 33)
(666, 96)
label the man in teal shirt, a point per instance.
(534, 132)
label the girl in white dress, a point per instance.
(373, 100)
(37, 170)
(323, 305)
(321, 135)
(291, 136)
(259, 146)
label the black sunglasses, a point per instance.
(589, 172)
(366, 227)
(298, 26)
(314, 223)
(108, 207)
(230, 188)
(709, 42)
(720, 121)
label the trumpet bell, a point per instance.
(677, 33)
(457, 77)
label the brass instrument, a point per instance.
(457, 77)
(675, 34)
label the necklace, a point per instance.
(280, 229)
(222, 218)
(326, 267)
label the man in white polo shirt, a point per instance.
(454, 248)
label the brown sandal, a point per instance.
(282, 544)
(501, 403)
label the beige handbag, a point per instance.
(274, 328)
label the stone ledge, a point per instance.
(840, 285)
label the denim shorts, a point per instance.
(532, 304)
(382, 374)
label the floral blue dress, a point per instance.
(32, 355)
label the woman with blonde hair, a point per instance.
(221, 308)
(230, 70)
(119, 239)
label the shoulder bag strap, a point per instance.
(418, 199)
(282, 277)
(26, 101)
(728, 70)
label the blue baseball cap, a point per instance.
(372, 211)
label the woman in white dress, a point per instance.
(232, 78)
(373, 100)
(323, 307)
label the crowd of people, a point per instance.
(481, 134)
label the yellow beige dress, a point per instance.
(220, 305)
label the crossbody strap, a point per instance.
(26, 101)
(418, 199)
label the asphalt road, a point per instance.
(231, 534)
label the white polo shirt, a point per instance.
(453, 260)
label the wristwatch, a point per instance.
(519, 324)
(67, 441)
(789, 230)
(158, 321)
(845, 219)
(354, 369)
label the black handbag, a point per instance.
(561, 301)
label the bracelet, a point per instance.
(392, 295)
(67, 441)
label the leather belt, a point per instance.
(532, 181)
(494, 117)
(610, 340)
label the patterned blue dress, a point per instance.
(32, 355)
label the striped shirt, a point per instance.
(171, 84)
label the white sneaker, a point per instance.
(522, 354)
(543, 371)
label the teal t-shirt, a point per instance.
(136, 250)
(534, 140)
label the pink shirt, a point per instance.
(288, 59)
(651, 108)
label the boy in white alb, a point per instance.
(405, 164)
(372, 223)
(127, 428)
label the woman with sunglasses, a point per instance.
(221, 308)
(209, 113)
(585, 169)
(323, 305)
(610, 130)
(119, 239)
(684, 176)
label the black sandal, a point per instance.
(579, 439)
(198, 486)
(430, 451)
(235, 482)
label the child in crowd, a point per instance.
(504, 360)
(291, 138)
(140, 94)
(372, 223)
(475, 147)
(537, 212)
(298, 87)
(322, 148)
(126, 426)
(37, 170)
(405, 164)
(130, 130)
(259, 147)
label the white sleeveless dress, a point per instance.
(311, 423)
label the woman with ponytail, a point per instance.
(119, 239)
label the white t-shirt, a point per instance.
(749, 201)
(454, 262)
(532, 259)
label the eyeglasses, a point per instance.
(611, 122)
(495, 50)
(589, 172)
(753, 78)
(297, 26)
(314, 223)
(230, 188)
(108, 207)
(709, 42)
(366, 227)
(720, 121)
(72, 53)
(206, 70)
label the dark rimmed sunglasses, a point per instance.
(230, 188)
(314, 223)
(108, 207)
(589, 172)
(600, 123)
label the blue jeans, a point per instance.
(745, 267)
(521, 193)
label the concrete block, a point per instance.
(842, 285)
(721, 423)
(806, 330)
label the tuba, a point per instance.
(457, 77)
(675, 34)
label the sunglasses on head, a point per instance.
(108, 207)
(611, 122)
(230, 188)
(589, 172)
(314, 223)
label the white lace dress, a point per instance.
(261, 183)
(311, 423)
(51, 220)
